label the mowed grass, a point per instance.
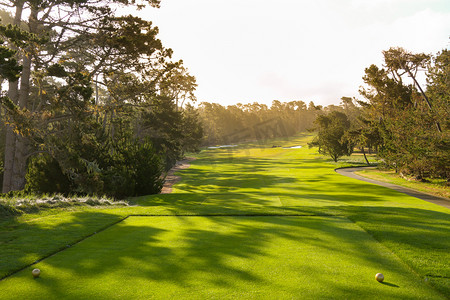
(247, 222)
(261, 257)
(433, 186)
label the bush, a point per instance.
(135, 170)
(124, 168)
(44, 175)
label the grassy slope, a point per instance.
(257, 180)
(434, 187)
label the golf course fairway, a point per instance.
(251, 222)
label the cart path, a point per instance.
(171, 179)
(349, 172)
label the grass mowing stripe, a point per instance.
(238, 215)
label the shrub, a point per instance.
(135, 169)
(44, 175)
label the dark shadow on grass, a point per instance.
(23, 243)
(212, 179)
(208, 250)
(389, 284)
(205, 247)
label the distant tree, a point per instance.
(331, 137)
(254, 121)
(192, 129)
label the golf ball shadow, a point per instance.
(390, 284)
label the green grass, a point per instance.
(248, 222)
(223, 257)
(436, 187)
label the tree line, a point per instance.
(254, 121)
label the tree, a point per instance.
(331, 137)
(438, 91)
(253, 121)
(75, 41)
(398, 59)
(11, 70)
(192, 129)
(402, 118)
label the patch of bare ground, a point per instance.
(171, 179)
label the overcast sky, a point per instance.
(261, 50)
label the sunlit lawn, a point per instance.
(248, 222)
(434, 186)
(223, 257)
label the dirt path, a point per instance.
(349, 172)
(171, 179)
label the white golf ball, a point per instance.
(379, 277)
(36, 273)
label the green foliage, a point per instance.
(9, 68)
(8, 210)
(192, 129)
(172, 130)
(134, 169)
(331, 137)
(56, 70)
(84, 159)
(130, 168)
(409, 127)
(386, 94)
(249, 122)
(45, 176)
(167, 128)
(100, 97)
(18, 37)
(438, 87)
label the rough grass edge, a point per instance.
(426, 187)
(18, 205)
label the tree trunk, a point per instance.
(20, 153)
(20, 164)
(424, 96)
(10, 143)
(365, 157)
(21, 149)
(10, 136)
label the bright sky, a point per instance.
(261, 50)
